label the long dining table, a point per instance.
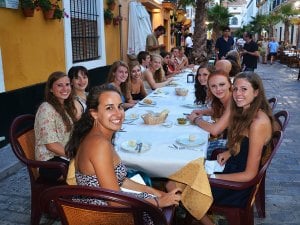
(168, 146)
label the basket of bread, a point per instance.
(152, 118)
(181, 91)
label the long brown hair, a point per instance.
(125, 86)
(240, 119)
(68, 108)
(216, 104)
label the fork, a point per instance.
(178, 147)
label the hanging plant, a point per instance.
(108, 16)
(28, 7)
(117, 20)
(51, 10)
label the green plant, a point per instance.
(27, 4)
(108, 14)
(109, 2)
(45, 5)
(59, 13)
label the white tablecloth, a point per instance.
(162, 160)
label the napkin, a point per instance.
(212, 166)
(196, 193)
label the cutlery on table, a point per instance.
(140, 147)
(178, 147)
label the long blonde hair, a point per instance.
(158, 75)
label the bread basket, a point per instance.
(181, 91)
(155, 118)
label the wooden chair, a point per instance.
(282, 118)
(127, 210)
(273, 102)
(21, 134)
(235, 215)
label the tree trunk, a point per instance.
(271, 31)
(200, 33)
(286, 31)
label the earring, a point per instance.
(96, 122)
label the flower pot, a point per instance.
(108, 21)
(28, 12)
(116, 20)
(48, 14)
(112, 6)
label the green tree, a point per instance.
(200, 32)
(272, 19)
(199, 37)
(218, 21)
(258, 23)
(218, 16)
(286, 12)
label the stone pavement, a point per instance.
(283, 176)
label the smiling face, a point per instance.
(136, 72)
(81, 82)
(121, 75)
(219, 86)
(61, 89)
(156, 63)
(243, 93)
(202, 76)
(110, 112)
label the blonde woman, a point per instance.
(137, 90)
(154, 76)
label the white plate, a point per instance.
(129, 146)
(159, 91)
(167, 124)
(173, 84)
(143, 103)
(185, 140)
(131, 116)
(192, 106)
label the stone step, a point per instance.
(10, 164)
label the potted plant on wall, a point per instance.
(111, 4)
(108, 16)
(51, 10)
(28, 7)
(47, 7)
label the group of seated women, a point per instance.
(74, 124)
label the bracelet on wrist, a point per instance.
(156, 200)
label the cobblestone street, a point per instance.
(283, 176)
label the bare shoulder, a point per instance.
(261, 124)
(96, 144)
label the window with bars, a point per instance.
(84, 30)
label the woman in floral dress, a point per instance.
(53, 123)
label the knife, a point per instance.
(140, 147)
